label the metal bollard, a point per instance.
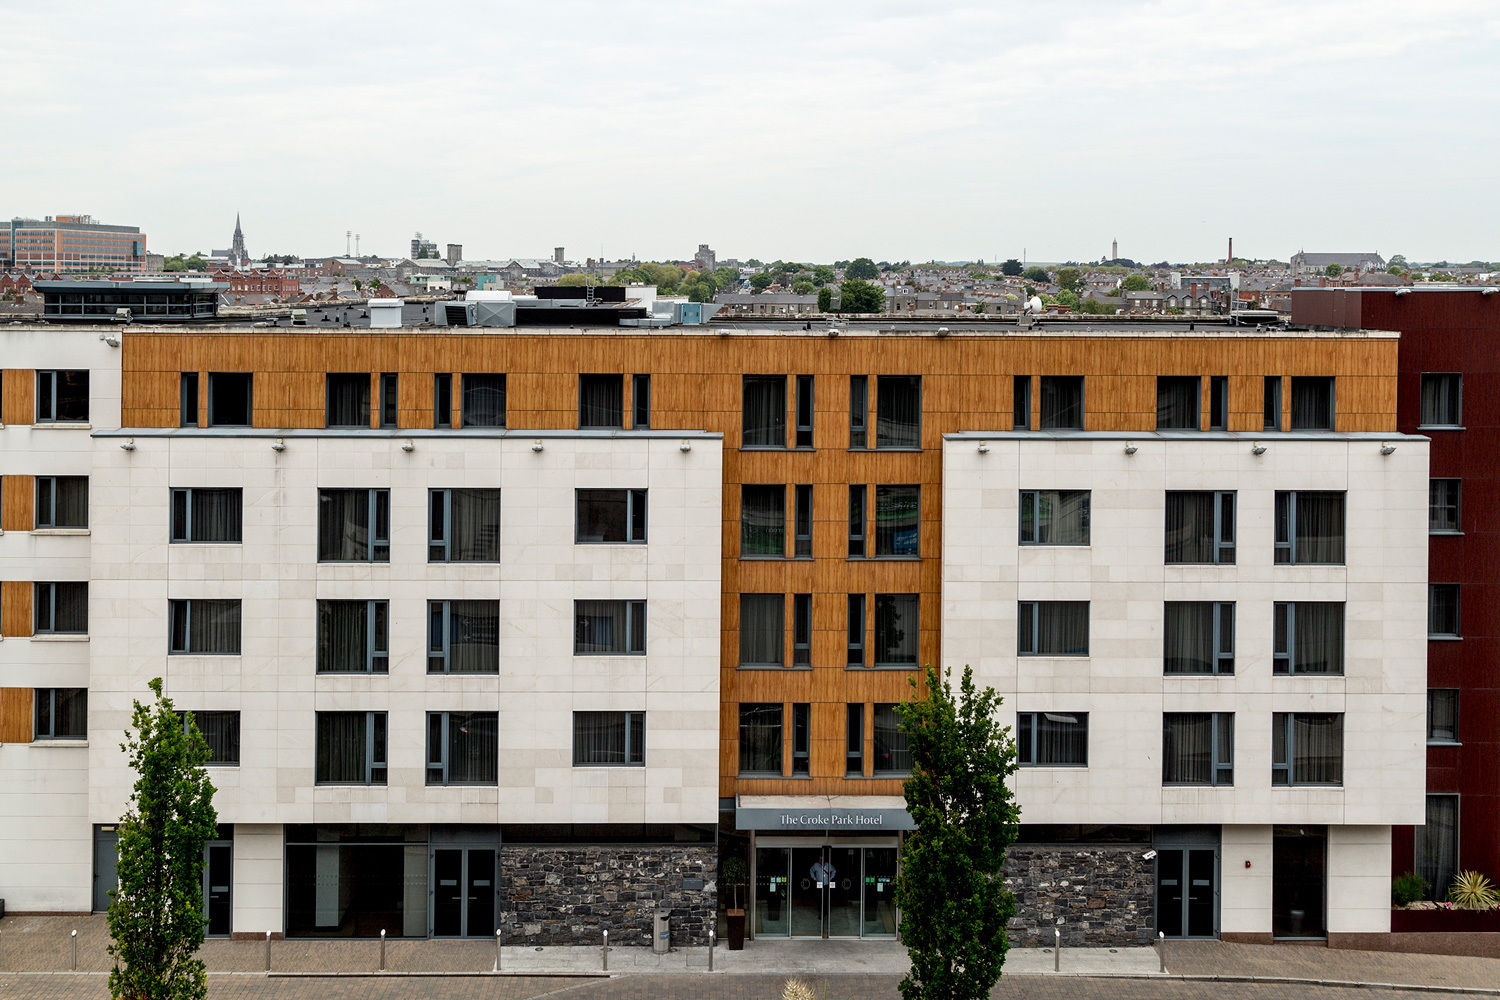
(498, 931)
(711, 949)
(75, 949)
(1161, 951)
(1056, 950)
(268, 953)
(606, 951)
(382, 949)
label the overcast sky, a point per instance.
(808, 131)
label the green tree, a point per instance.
(1067, 298)
(1333, 270)
(825, 299)
(574, 280)
(1399, 260)
(156, 914)
(1136, 283)
(823, 275)
(1070, 279)
(761, 280)
(726, 277)
(358, 285)
(862, 269)
(1036, 274)
(953, 900)
(803, 287)
(861, 297)
(1011, 268)
(177, 263)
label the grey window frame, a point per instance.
(187, 400)
(1177, 381)
(635, 739)
(51, 609)
(464, 388)
(855, 642)
(779, 643)
(1032, 499)
(1284, 642)
(806, 413)
(377, 759)
(1225, 540)
(331, 380)
(1271, 403)
(390, 399)
(184, 607)
(48, 521)
(1288, 546)
(802, 517)
(1218, 402)
(1023, 719)
(914, 599)
(1457, 591)
(588, 379)
(637, 511)
(1223, 640)
(1457, 504)
(51, 734)
(442, 399)
(214, 379)
(440, 650)
(1221, 771)
(1333, 409)
(185, 536)
(859, 412)
(440, 540)
(1020, 403)
(633, 617)
(196, 713)
(1287, 768)
(859, 516)
(801, 738)
(443, 764)
(640, 401)
(887, 491)
(780, 743)
(1452, 739)
(884, 383)
(854, 739)
(49, 376)
(1082, 403)
(377, 639)
(875, 727)
(745, 382)
(779, 490)
(802, 630)
(377, 543)
(1458, 422)
(1033, 608)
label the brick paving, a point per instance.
(1217, 958)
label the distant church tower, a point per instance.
(238, 255)
(1114, 249)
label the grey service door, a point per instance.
(106, 853)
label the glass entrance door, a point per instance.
(218, 882)
(1185, 891)
(880, 892)
(825, 891)
(463, 892)
(1298, 876)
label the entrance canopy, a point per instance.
(809, 813)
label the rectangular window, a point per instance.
(763, 521)
(801, 738)
(1054, 517)
(762, 630)
(1307, 748)
(354, 526)
(605, 516)
(62, 397)
(442, 399)
(805, 411)
(801, 630)
(60, 608)
(1062, 402)
(765, 412)
(896, 630)
(859, 412)
(1177, 400)
(464, 526)
(1436, 849)
(898, 411)
(1200, 527)
(463, 748)
(609, 627)
(802, 540)
(187, 400)
(1442, 399)
(1443, 506)
(1198, 637)
(1272, 403)
(350, 748)
(640, 399)
(62, 501)
(463, 637)
(62, 714)
(601, 401)
(353, 637)
(204, 627)
(1197, 748)
(1218, 403)
(854, 741)
(1309, 526)
(206, 515)
(892, 753)
(483, 400)
(1052, 628)
(1312, 402)
(231, 399)
(609, 739)
(897, 520)
(856, 521)
(1020, 403)
(1053, 739)
(856, 641)
(389, 398)
(1309, 637)
(760, 739)
(348, 399)
(1442, 611)
(221, 731)
(1442, 715)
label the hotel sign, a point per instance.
(849, 820)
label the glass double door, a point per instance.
(825, 891)
(1185, 891)
(463, 892)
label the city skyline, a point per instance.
(836, 134)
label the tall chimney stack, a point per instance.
(1230, 258)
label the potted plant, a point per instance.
(732, 874)
(1472, 891)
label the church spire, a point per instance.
(238, 255)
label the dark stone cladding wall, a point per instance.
(1106, 895)
(566, 894)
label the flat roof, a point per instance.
(138, 286)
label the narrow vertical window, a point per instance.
(640, 401)
(801, 630)
(801, 737)
(802, 531)
(1020, 419)
(442, 399)
(388, 399)
(856, 520)
(859, 412)
(854, 741)
(1272, 421)
(856, 641)
(804, 411)
(1218, 403)
(188, 400)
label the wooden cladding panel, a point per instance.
(17, 503)
(17, 396)
(15, 608)
(16, 715)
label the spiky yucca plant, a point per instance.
(798, 989)
(1472, 891)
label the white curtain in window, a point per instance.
(601, 401)
(474, 637)
(342, 631)
(1318, 741)
(1320, 527)
(1061, 737)
(341, 747)
(1319, 646)
(1440, 400)
(474, 747)
(1437, 845)
(1190, 528)
(762, 630)
(1177, 403)
(892, 751)
(475, 527)
(349, 400)
(765, 412)
(343, 525)
(599, 737)
(1062, 517)
(216, 515)
(1188, 646)
(1062, 628)
(1187, 748)
(214, 626)
(760, 739)
(898, 411)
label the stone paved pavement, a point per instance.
(1217, 958)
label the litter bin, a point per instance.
(661, 932)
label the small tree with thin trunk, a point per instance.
(156, 913)
(953, 901)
